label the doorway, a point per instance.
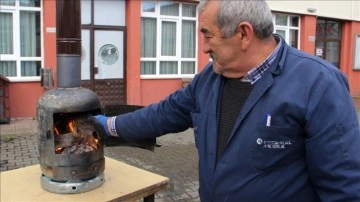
(328, 40)
(103, 50)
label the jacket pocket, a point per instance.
(276, 146)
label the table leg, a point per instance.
(150, 198)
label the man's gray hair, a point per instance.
(232, 12)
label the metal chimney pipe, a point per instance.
(68, 43)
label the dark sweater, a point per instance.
(233, 97)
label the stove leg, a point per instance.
(150, 198)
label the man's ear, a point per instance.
(246, 32)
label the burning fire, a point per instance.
(75, 136)
(71, 126)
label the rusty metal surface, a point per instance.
(64, 100)
(62, 105)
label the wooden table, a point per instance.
(122, 183)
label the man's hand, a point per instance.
(100, 125)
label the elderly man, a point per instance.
(271, 123)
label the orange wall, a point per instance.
(308, 33)
(49, 20)
(23, 98)
(155, 90)
(133, 23)
(350, 29)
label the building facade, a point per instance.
(138, 52)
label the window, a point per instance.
(328, 40)
(20, 41)
(288, 27)
(168, 39)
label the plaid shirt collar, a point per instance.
(255, 73)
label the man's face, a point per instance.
(225, 52)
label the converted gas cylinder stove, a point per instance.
(70, 149)
(71, 141)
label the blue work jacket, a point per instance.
(309, 152)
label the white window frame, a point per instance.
(287, 28)
(16, 56)
(159, 58)
(164, 58)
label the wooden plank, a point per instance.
(122, 182)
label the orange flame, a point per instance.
(58, 150)
(83, 141)
(71, 126)
(56, 131)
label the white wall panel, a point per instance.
(340, 9)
